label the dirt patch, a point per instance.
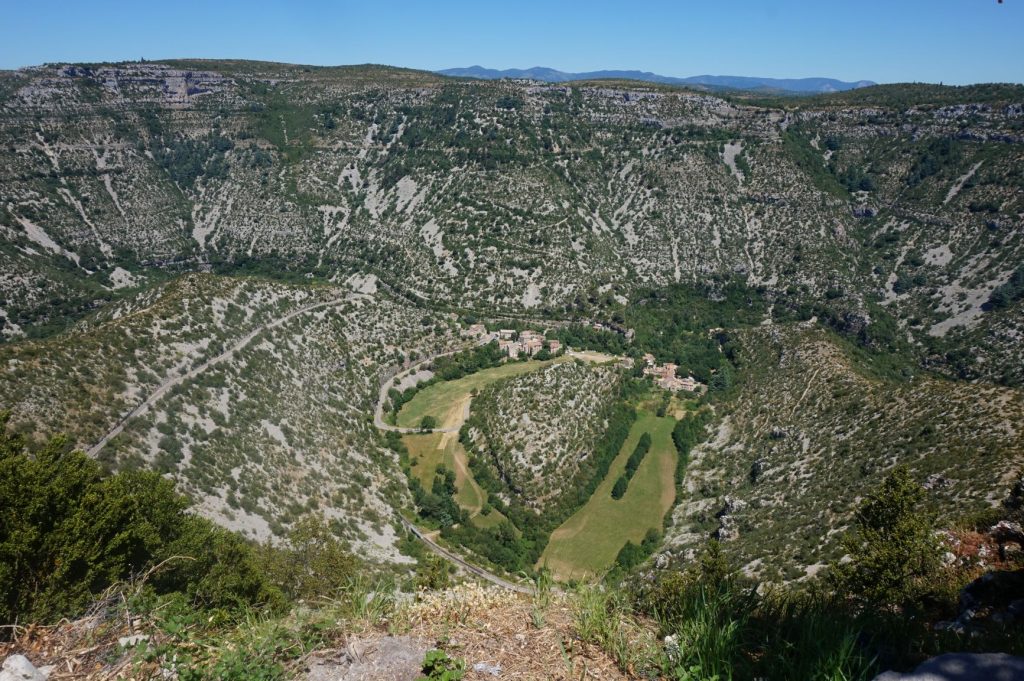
(595, 357)
(491, 629)
(732, 150)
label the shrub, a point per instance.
(620, 486)
(894, 554)
(68, 532)
(717, 626)
(437, 666)
(316, 564)
(1008, 293)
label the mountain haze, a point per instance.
(800, 85)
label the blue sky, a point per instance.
(951, 41)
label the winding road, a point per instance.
(378, 420)
(451, 557)
(170, 383)
(385, 385)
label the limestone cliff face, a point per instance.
(901, 208)
(503, 195)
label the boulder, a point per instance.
(728, 529)
(373, 658)
(1005, 534)
(18, 668)
(732, 505)
(963, 667)
(994, 590)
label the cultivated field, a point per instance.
(430, 450)
(448, 401)
(588, 542)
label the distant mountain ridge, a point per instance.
(803, 85)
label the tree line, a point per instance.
(643, 445)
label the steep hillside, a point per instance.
(370, 205)
(814, 427)
(539, 428)
(254, 396)
(500, 195)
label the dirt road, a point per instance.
(170, 383)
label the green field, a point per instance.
(429, 450)
(446, 401)
(587, 543)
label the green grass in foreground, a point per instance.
(586, 544)
(445, 401)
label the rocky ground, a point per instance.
(502, 195)
(538, 427)
(495, 633)
(252, 395)
(814, 427)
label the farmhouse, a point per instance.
(528, 342)
(510, 347)
(689, 383)
(665, 376)
(476, 331)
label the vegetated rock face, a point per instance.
(276, 428)
(900, 208)
(847, 425)
(507, 195)
(537, 428)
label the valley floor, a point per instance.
(587, 543)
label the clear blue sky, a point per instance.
(952, 41)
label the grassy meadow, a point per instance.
(446, 401)
(587, 543)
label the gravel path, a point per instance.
(170, 383)
(479, 572)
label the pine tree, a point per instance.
(893, 552)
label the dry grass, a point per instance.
(526, 638)
(587, 543)
(496, 627)
(86, 648)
